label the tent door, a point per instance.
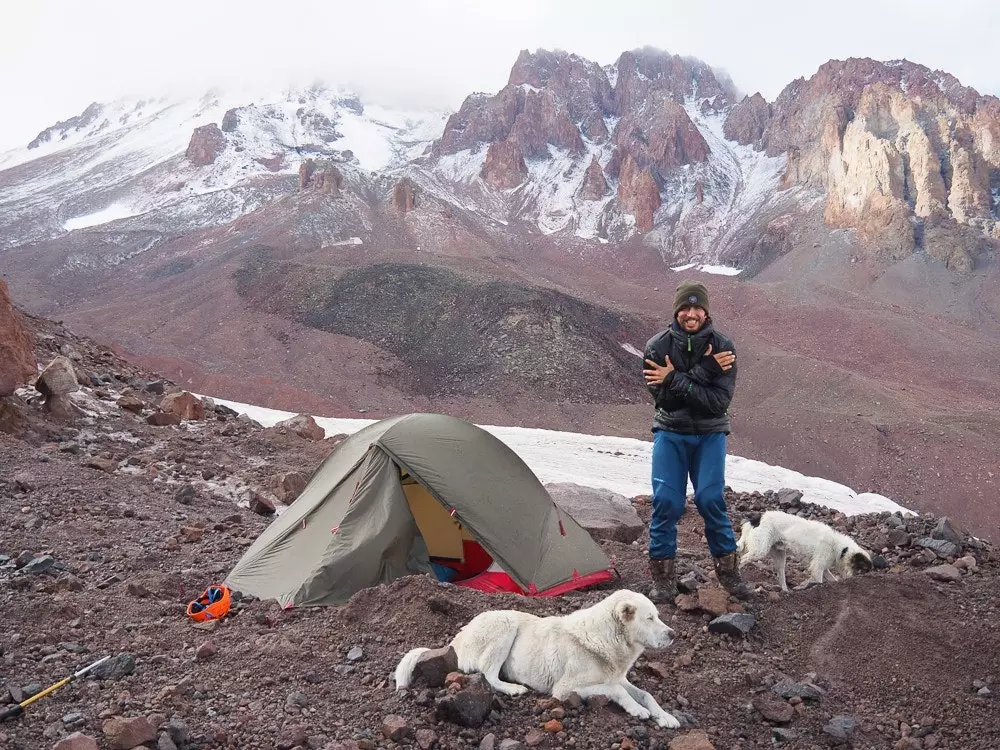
(442, 534)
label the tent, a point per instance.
(415, 494)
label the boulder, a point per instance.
(603, 513)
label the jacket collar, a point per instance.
(703, 334)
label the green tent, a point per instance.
(415, 494)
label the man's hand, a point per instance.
(655, 374)
(725, 360)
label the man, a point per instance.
(690, 369)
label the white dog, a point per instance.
(588, 652)
(774, 534)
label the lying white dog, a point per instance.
(774, 534)
(588, 652)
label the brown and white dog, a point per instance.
(775, 534)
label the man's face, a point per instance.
(691, 318)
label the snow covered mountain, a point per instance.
(167, 166)
(170, 162)
(655, 148)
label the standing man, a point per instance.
(690, 369)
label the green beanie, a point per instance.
(691, 293)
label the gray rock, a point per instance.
(780, 735)
(469, 707)
(355, 653)
(735, 624)
(115, 668)
(898, 538)
(603, 513)
(940, 547)
(165, 742)
(788, 688)
(944, 530)
(788, 498)
(688, 584)
(984, 692)
(511, 745)
(39, 565)
(32, 688)
(178, 732)
(840, 728)
(185, 494)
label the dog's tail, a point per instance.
(404, 670)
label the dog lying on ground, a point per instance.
(775, 534)
(588, 652)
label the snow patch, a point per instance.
(619, 464)
(111, 213)
(709, 268)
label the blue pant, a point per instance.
(675, 455)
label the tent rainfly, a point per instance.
(415, 494)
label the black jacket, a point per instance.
(695, 397)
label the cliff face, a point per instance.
(903, 153)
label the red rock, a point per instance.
(206, 144)
(130, 401)
(534, 737)
(426, 738)
(638, 193)
(161, 419)
(17, 350)
(694, 740)
(127, 733)
(504, 167)
(76, 741)
(302, 425)
(748, 120)
(594, 186)
(184, 404)
(395, 728)
(713, 600)
(552, 726)
(288, 486)
(404, 196)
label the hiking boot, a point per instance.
(664, 580)
(728, 571)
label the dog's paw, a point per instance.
(807, 585)
(516, 690)
(666, 721)
(640, 713)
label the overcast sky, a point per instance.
(57, 56)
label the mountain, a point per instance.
(310, 251)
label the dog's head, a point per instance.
(640, 619)
(854, 560)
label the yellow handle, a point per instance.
(45, 692)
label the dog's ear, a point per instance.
(860, 563)
(626, 611)
(753, 519)
(843, 553)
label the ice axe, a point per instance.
(18, 709)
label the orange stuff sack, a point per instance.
(213, 604)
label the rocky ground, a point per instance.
(111, 524)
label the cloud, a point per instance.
(56, 56)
